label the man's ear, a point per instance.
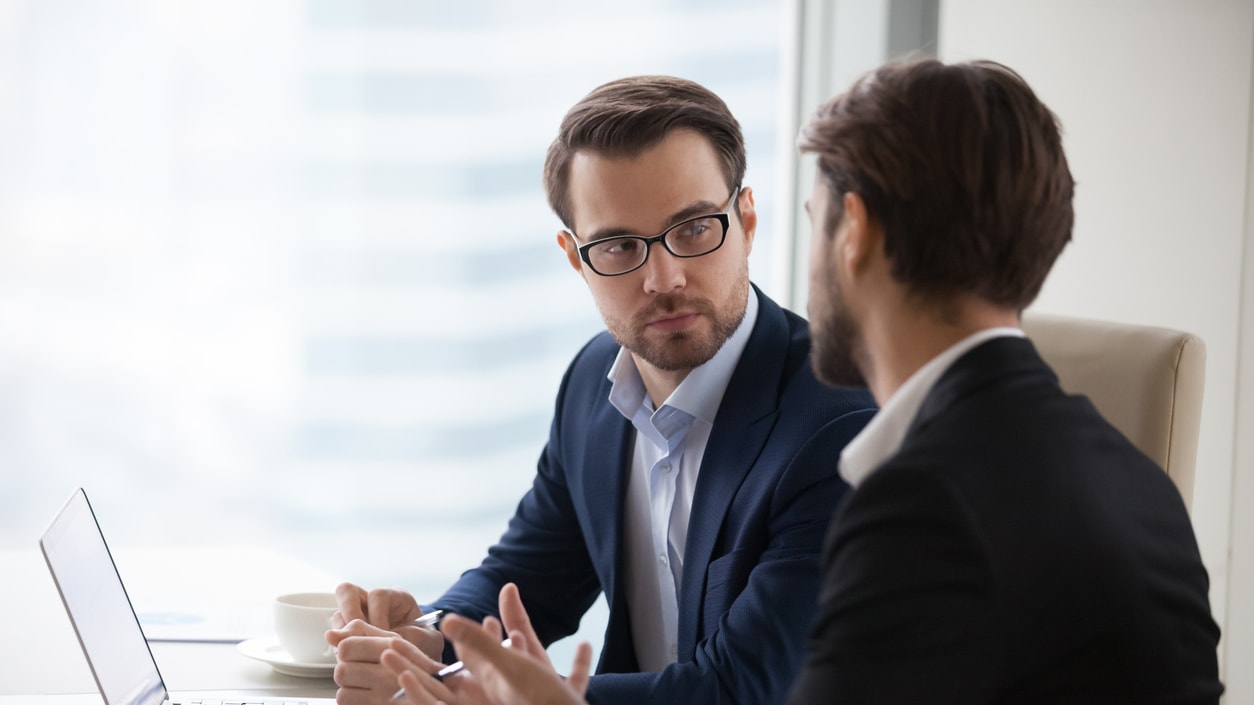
(566, 241)
(748, 216)
(860, 239)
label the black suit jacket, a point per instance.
(1017, 549)
(760, 510)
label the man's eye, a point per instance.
(619, 248)
(694, 228)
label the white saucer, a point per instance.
(268, 650)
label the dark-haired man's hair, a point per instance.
(963, 168)
(625, 117)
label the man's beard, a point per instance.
(836, 342)
(687, 349)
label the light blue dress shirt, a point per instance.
(670, 443)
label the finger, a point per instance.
(580, 669)
(516, 619)
(475, 644)
(492, 627)
(431, 641)
(335, 636)
(469, 690)
(415, 693)
(363, 649)
(351, 602)
(513, 614)
(370, 680)
(400, 665)
(356, 628)
(508, 675)
(412, 655)
(378, 607)
(360, 696)
(523, 643)
(457, 628)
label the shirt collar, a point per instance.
(882, 437)
(702, 390)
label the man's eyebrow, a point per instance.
(692, 210)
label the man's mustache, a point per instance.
(670, 303)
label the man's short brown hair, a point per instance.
(625, 117)
(963, 168)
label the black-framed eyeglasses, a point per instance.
(693, 237)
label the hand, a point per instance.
(496, 675)
(388, 609)
(362, 679)
(525, 676)
(382, 607)
(412, 671)
(363, 626)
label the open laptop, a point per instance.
(105, 622)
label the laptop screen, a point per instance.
(103, 618)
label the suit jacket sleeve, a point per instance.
(754, 652)
(906, 605)
(542, 551)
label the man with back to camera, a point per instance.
(1003, 543)
(687, 473)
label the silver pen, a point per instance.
(429, 619)
(446, 672)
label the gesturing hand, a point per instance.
(495, 675)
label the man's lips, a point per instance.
(672, 322)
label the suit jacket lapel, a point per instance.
(607, 463)
(745, 418)
(607, 456)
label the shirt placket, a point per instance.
(672, 425)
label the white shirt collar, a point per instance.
(882, 437)
(702, 390)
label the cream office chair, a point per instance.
(1146, 381)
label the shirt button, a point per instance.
(666, 467)
(661, 558)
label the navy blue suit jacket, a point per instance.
(765, 494)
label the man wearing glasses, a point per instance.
(688, 474)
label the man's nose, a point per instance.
(663, 272)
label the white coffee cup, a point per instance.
(301, 621)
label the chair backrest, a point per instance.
(1146, 381)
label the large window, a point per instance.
(282, 272)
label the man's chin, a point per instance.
(676, 352)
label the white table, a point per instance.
(40, 655)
